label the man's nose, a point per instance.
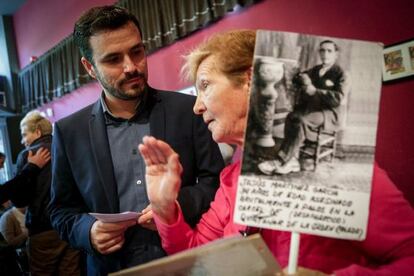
(129, 64)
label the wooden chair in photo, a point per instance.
(323, 147)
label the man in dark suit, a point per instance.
(95, 159)
(322, 102)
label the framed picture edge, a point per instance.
(406, 61)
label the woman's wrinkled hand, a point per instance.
(163, 176)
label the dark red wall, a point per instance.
(41, 24)
(383, 21)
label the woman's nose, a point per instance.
(199, 107)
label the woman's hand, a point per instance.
(163, 177)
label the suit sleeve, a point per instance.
(19, 188)
(21, 161)
(195, 199)
(67, 209)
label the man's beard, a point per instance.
(120, 94)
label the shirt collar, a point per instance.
(139, 108)
(324, 69)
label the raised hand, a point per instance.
(40, 159)
(163, 176)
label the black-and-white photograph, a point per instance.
(311, 128)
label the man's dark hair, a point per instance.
(329, 41)
(2, 155)
(100, 19)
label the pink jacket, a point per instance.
(387, 250)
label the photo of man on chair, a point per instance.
(318, 111)
(316, 118)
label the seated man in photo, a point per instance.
(320, 104)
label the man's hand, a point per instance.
(305, 80)
(146, 219)
(163, 176)
(40, 159)
(109, 237)
(310, 90)
(307, 85)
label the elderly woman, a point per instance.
(221, 69)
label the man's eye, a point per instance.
(137, 51)
(112, 60)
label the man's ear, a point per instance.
(88, 67)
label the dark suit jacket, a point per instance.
(82, 170)
(331, 95)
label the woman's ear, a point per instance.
(38, 133)
(250, 74)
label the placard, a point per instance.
(311, 133)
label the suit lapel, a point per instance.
(101, 153)
(157, 117)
